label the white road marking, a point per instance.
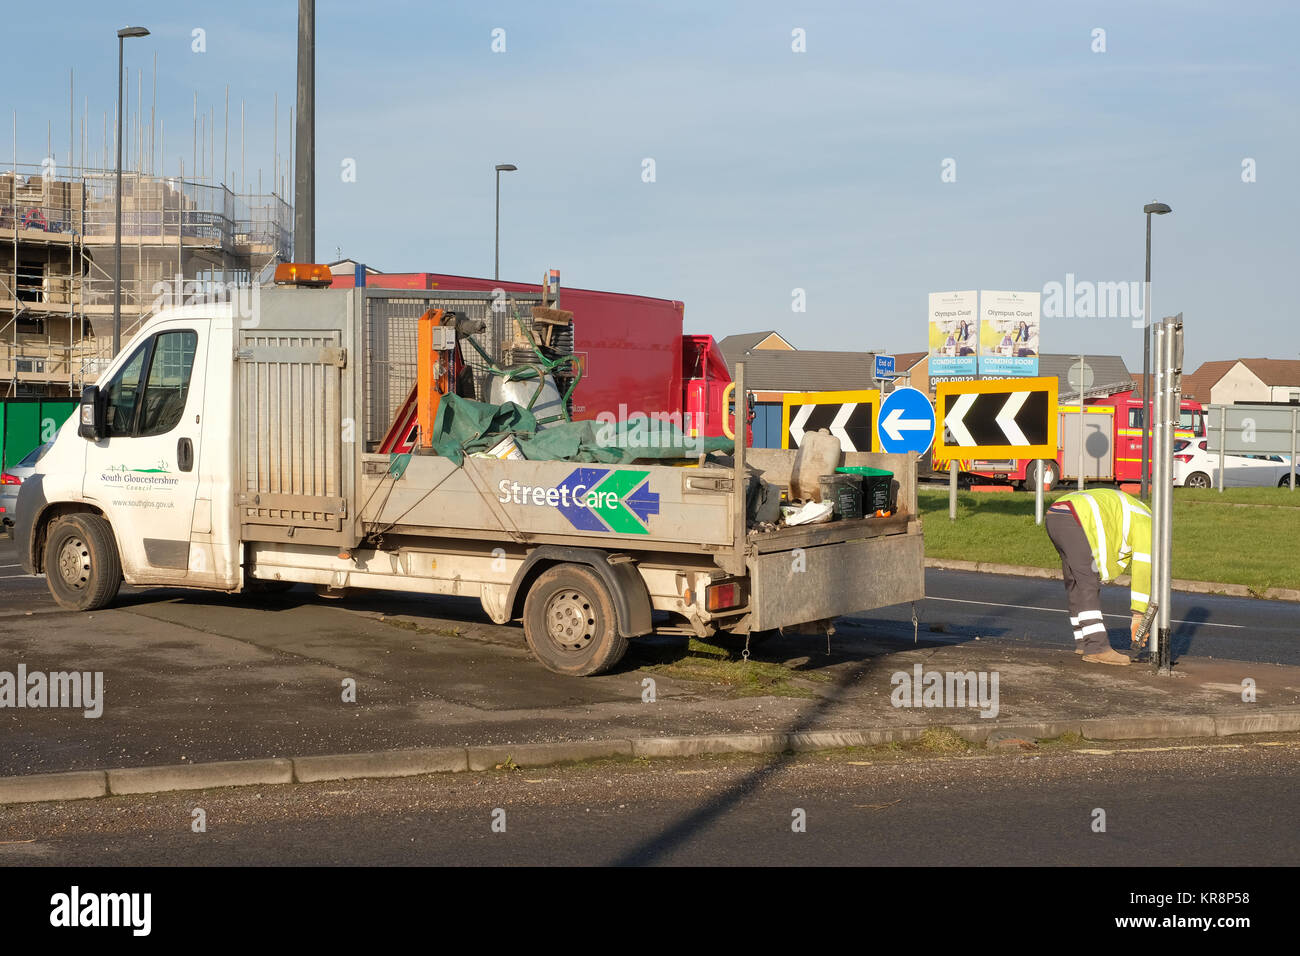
(1007, 418)
(1057, 610)
(954, 421)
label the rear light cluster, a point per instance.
(7, 479)
(722, 597)
(1183, 458)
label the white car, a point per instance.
(1196, 467)
(11, 482)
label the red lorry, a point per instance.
(1112, 444)
(635, 357)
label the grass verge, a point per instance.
(722, 666)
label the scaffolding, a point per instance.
(180, 240)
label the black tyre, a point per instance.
(570, 622)
(1197, 479)
(1051, 475)
(1285, 481)
(82, 566)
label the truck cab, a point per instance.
(150, 448)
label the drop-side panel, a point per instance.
(290, 389)
(833, 580)
(623, 506)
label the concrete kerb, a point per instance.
(199, 776)
(546, 754)
(1178, 584)
(384, 763)
(39, 788)
(79, 785)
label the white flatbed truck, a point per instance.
(227, 451)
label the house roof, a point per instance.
(344, 266)
(1109, 373)
(906, 361)
(777, 370)
(1197, 385)
(734, 346)
(1276, 373)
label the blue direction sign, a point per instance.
(884, 366)
(906, 422)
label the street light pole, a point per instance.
(122, 34)
(502, 168)
(1158, 209)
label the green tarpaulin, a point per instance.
(464, 427)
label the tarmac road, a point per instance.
(965, 604)
(1176, 803)
(1020, 609)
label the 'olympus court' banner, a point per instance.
(954, 333)
(1009, 323)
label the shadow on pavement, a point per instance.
(656, 848)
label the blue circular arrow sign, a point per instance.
(906, 422)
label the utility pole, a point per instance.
(304, 174)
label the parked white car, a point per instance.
(1196, 467)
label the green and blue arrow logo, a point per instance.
(603, 500)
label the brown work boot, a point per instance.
(1108, 656)
(1078, 647)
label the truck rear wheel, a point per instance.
(82, 566)
(1051, 474)
(570, 622)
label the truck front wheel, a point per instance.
(570, 622)
(82, 565)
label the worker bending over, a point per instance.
(1100, 535)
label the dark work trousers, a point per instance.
(1082, 582)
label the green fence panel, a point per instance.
(26, 424)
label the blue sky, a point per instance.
(774, 170)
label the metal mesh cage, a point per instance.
(391, 328)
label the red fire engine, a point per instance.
(1112, 444)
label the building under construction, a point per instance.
(179, 238)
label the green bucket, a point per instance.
(876, 483)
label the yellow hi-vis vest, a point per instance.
(1118, 527)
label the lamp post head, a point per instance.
(1158, 208)
(506, 168)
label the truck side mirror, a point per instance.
(90, 424)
